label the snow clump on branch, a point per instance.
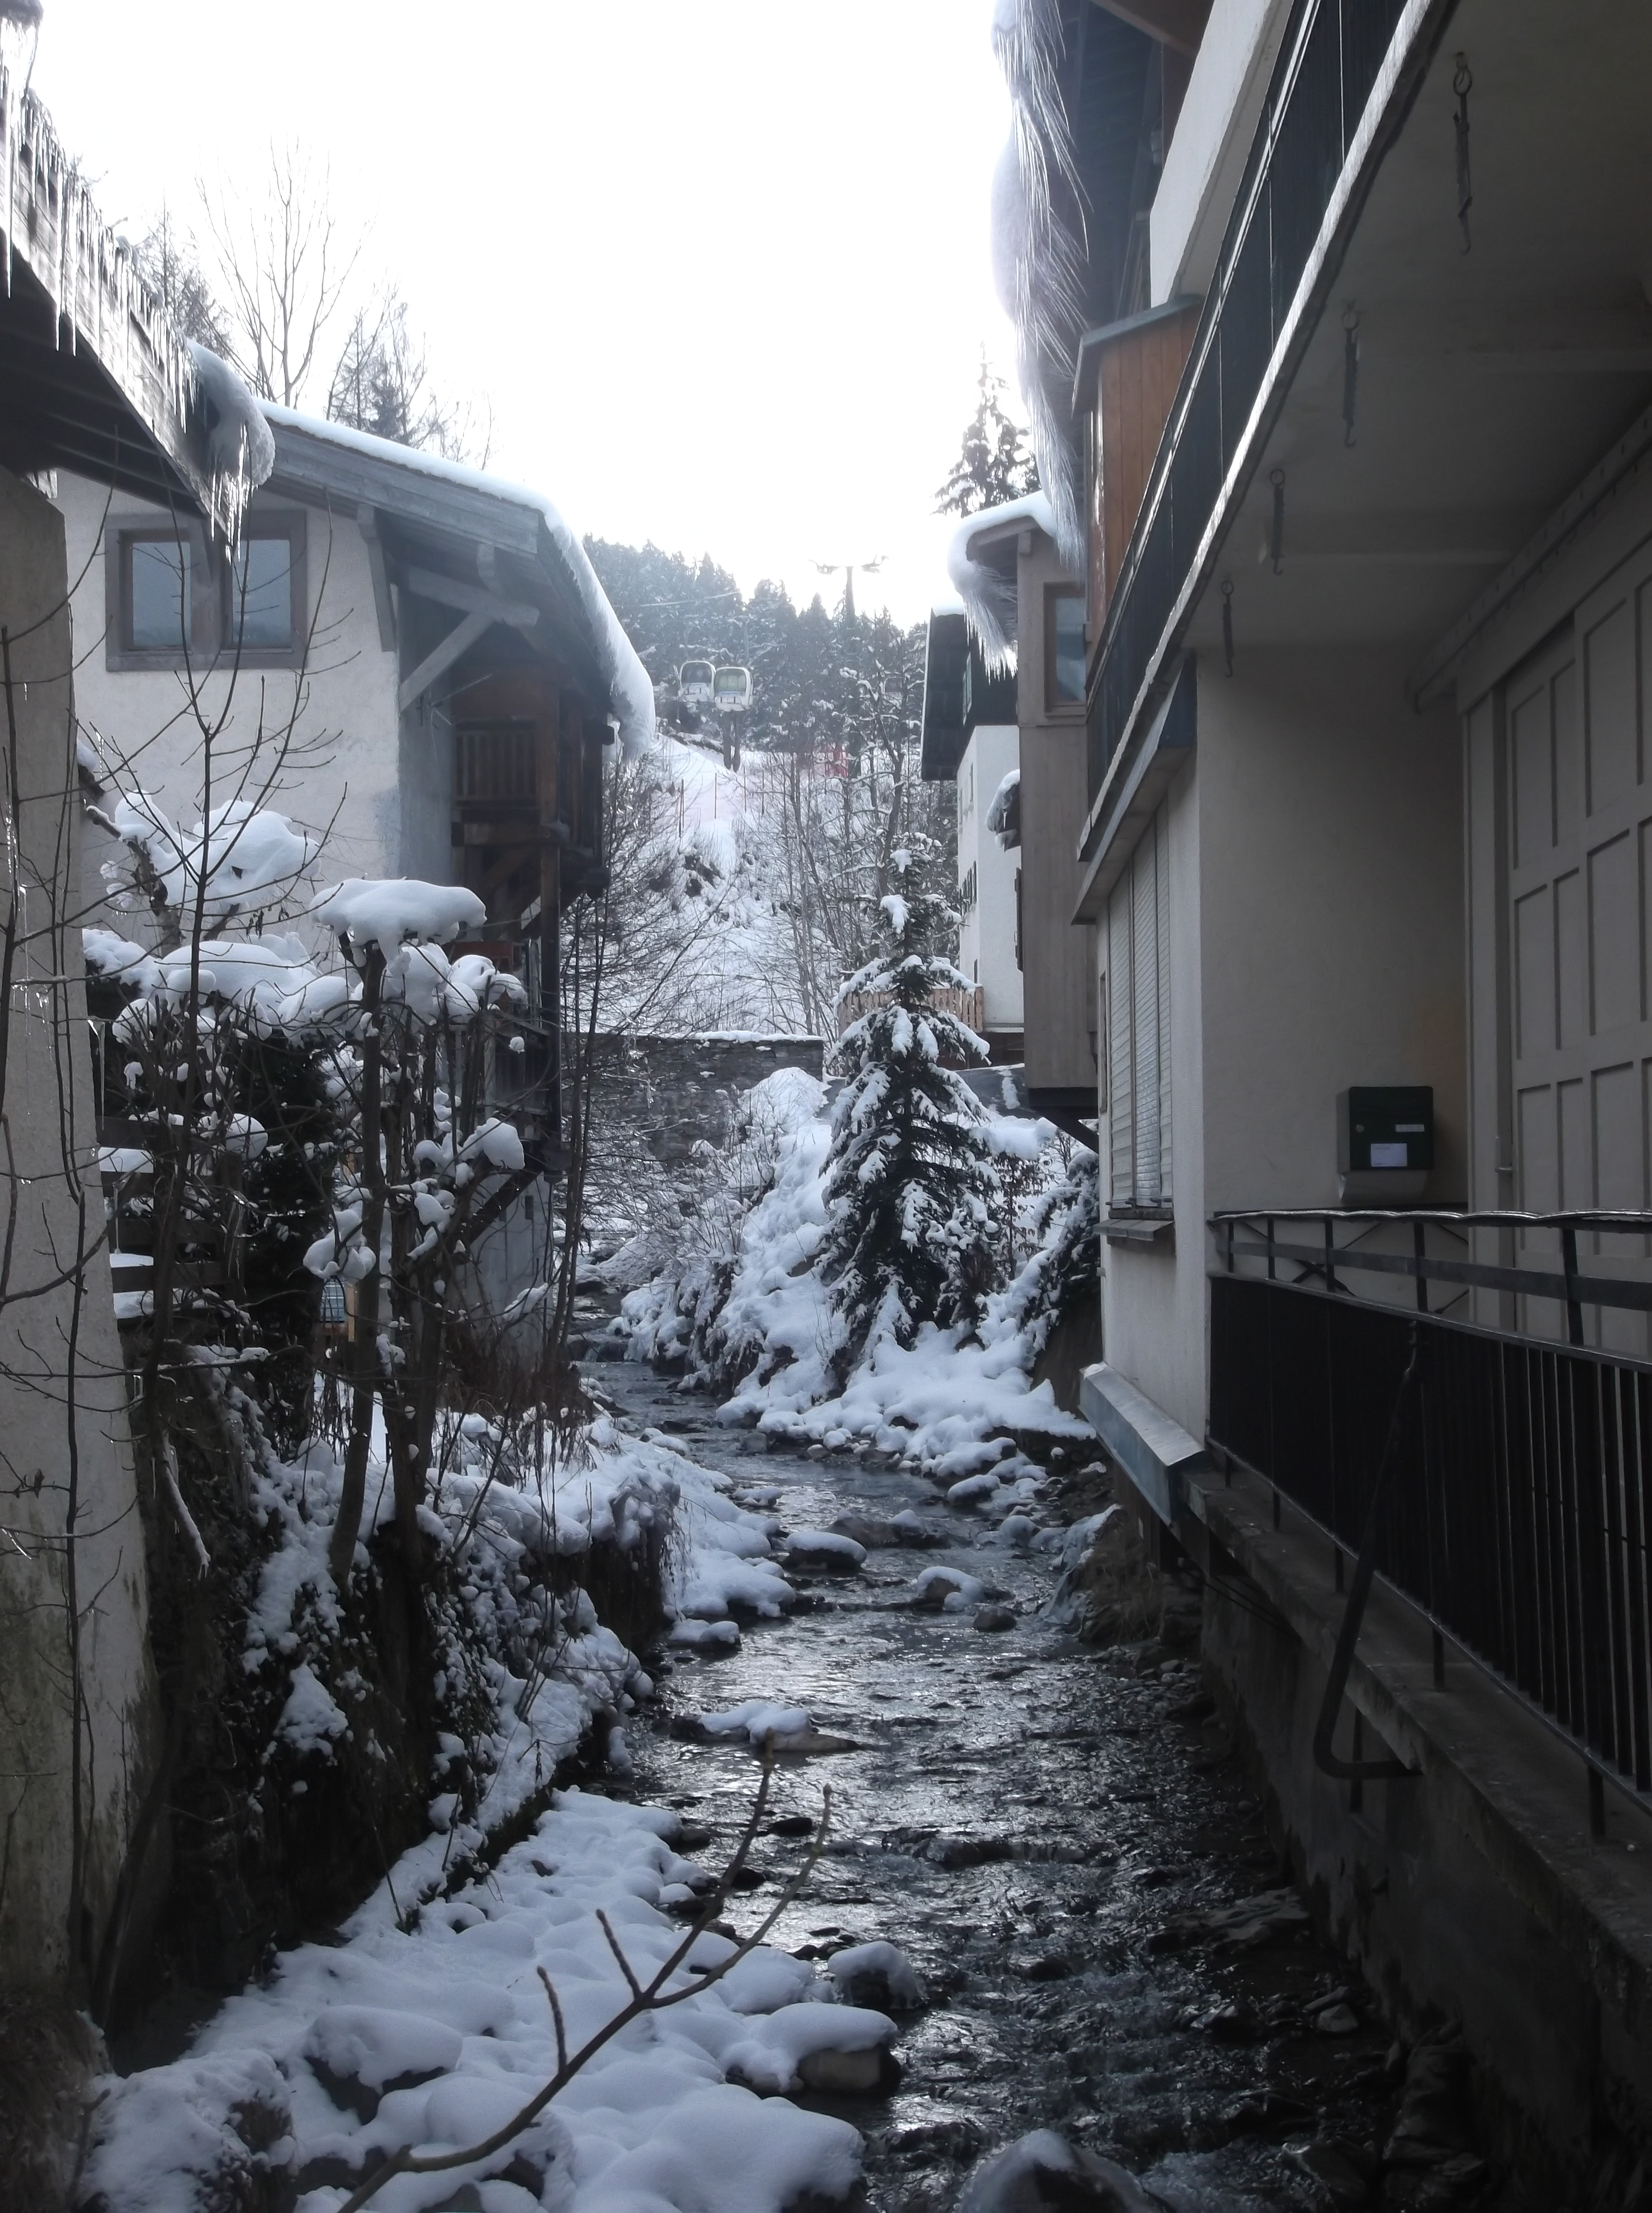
(251, 858)
(391, 911)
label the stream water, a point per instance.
(1053, 1833)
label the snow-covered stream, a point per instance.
(1052, 1834)
(1047, 1902)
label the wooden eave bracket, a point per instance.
(485, 611)
(367, 519)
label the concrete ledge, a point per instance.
(1474, 1887)
(1155, 1453)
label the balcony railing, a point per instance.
(1340, 59)
(1518, 1500)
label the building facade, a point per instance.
(1344, 424)
(1007, 560)
(410, 660)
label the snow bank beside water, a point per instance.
(427, 2023)
(434, 2034)
(765, 1316)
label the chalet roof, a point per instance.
(492, 552)
(946, 649)
(958, 693)
(92, 376)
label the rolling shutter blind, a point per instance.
(1138, 1043)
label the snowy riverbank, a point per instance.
(431, 2025)
(756, 1325)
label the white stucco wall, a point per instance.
(986, 938)
(341, 776)
(1334, 948)
(1317, 940)
(1219, 115)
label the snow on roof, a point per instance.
(988, 598)
(1032, 507)
(631, 689)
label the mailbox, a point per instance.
(1385, 1126)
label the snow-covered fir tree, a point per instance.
(995, 462)
(909, 1186)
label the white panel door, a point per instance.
(1579, 834)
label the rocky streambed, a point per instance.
(1060, 1839)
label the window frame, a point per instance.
(211, 584)
(1136, 938)
(121, 532)
(292, 524)
(1057, 710)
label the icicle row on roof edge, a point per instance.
(90, 275)
(1040, 256)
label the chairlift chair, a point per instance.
(731, 692)
(892, 691)
(696, 682)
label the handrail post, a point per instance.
(1569, 1264)
(1272, 1264)
(1418, 1247)
(1329, 1252)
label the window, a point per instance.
(1137, 943)
(170, 598)
(261, 593)
(156, 593)
(265, 605)
(1064, 647)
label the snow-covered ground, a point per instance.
(431, 2030)
(427, 2021)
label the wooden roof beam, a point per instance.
(1176, 23)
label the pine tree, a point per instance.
(993, 463)
(908, 1187)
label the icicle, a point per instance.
(8, 104)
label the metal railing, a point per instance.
(1330, 62)
(1517, 1509)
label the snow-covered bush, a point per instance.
(1063, 1272)
(909, 1186)
(756, 1324)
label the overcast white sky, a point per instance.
(720, 266)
